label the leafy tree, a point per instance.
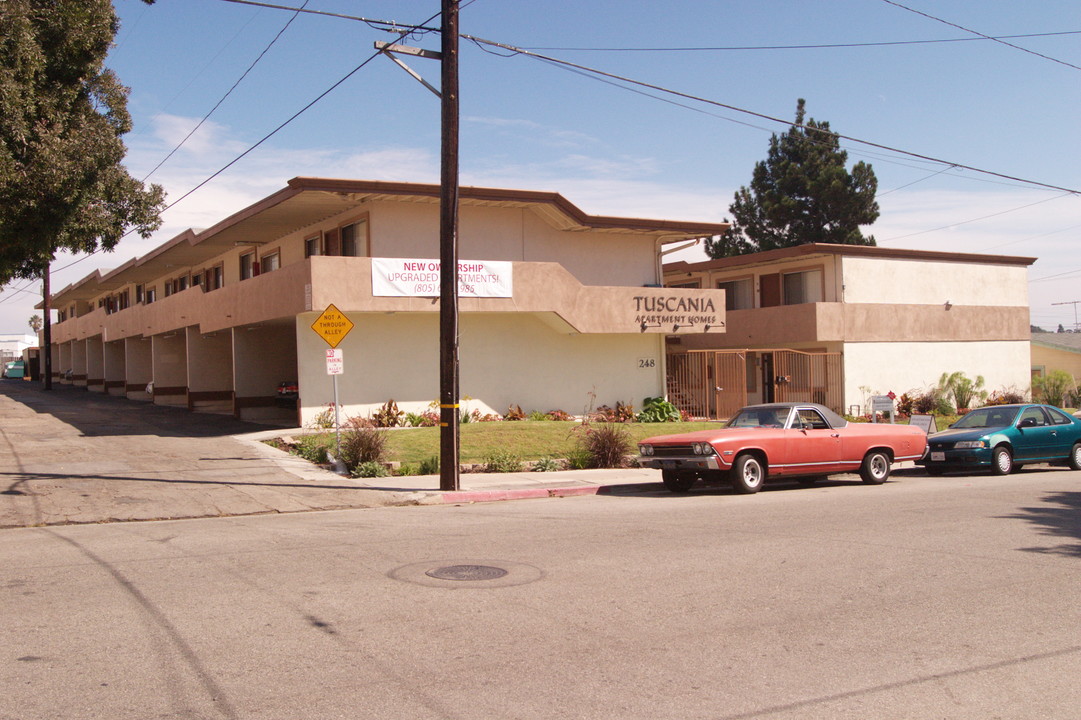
(62, 114)
(35, 322)
(801, 193)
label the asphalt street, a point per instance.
(922, 598)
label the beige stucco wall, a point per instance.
(514, 234)
(1049, 359)
(504, 358)
(902, 367)
(919, 282)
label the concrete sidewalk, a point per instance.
(72, 456)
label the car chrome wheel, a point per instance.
(747, 474)
(1075, 457)
(875, 468)
(1002, 462)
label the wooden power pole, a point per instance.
(448, 255)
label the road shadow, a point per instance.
(1060, 517)
(98, 415)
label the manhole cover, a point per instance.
(467, 572)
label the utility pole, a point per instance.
(45, 359)
(448, 255)
(1075, 303)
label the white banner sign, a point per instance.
(402, 277)
(335, 362)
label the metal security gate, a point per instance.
(808, 377)
(713, 383)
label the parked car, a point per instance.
(287, 393)
(1000, 438)
(800, 440)
(15, 369)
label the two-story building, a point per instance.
(837, 323)
(559, 309)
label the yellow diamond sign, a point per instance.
(332, 325)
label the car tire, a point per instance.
(747, 474)
(1075, 457)
(677, 482)
(1001, 461)
(875, 468)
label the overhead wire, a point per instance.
(228, 92)
(815, 46)
(980, 34)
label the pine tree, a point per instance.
(801, 193)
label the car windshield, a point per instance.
(988, 417)
(767, 417)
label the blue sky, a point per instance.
(530, 124)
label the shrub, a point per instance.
(547, 464)
(407, 469)
(1053, 388)
(537, 416)
(502, 461)
(424, 419)
(514, 412)
(429, 466)
(657, 409)
(962, 388)
(363, 445)
(325, 419)
(905, 404)
(558, 415)
(388, 416)
(313, 448)
(579, 459)
(1006, 396)
(370, 469)
(932, 402)
(606, 444)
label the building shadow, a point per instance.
(96, 414)
(1059, 516)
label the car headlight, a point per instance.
(702, 448)
(965, 444)
(645, 449)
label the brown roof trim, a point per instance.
(799, 251)
(506, 195)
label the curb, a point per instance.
(476, 496)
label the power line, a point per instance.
(763, 116)
(817, 46)
(980, 34)
(227, 93)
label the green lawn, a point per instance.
(528, 439)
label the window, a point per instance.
(197, 280)
(1058, 417)
(313, 246)
(685, 284)
(181, 283)
(351, 239)
(802, 287)
(151, 295)
(122, 301)
(168, 288)
(270, 262)
(1032, 416)
(139, 294)
(213, 278)
(738, 294)
(247, 266)
(809, 418)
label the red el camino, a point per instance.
(797, 440)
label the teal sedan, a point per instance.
(1003, 437)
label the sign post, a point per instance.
(332, 325)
